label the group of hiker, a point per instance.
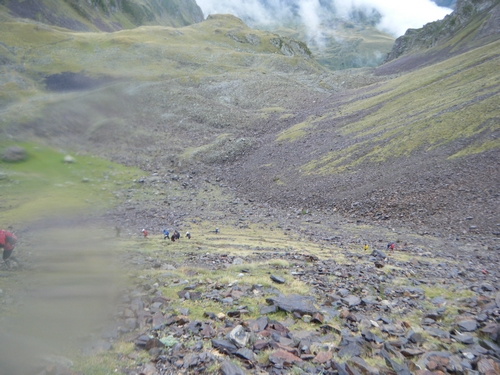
(166, 234)
(8, 241)
(175, 236)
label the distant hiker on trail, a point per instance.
(7, 243)
(175, 236)
(216, 230)
(166, 234)
(188, 235)
(144, 232)
(390, 246)
(365, 248)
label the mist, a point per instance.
(61, 299)
(395, 16)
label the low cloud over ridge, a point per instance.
(396, 16)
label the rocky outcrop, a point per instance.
(108, 15)
(481, 16)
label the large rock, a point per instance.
(14, 154)
(239, 337)
(294, 304)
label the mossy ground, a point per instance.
(450, 101)
(44, 185)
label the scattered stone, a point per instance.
(349, 291)
(246, 354)
(277, 279)
(224, 346)
(362, 366)
(351, 300)
(294, 303)
(268, 309)
(68, 159)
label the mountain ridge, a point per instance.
(472, 23)
(106, 15)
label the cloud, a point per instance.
(396, 16)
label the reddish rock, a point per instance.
(282, 356)
(488, 367)
(432, 365)
(260, 345)
(317, 318)
(265, 333)
(323, 357)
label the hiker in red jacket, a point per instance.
(144, 232)
(7, 243)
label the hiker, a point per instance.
(188, 235)
(166, 234)
(7, 243)
(176, 235)
(216, 230)
(365, 248)
(144, 232)
(390, 246)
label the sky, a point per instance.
(397, 15)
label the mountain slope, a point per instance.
(419, 150)
(253, 111)
(106, 15)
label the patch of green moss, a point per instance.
(294, 132)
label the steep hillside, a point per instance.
(420, 150)
(105, 15)
(473, 23)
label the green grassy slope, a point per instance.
(130, 65)
(220, 44)
(452, 101)
(46, 186)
